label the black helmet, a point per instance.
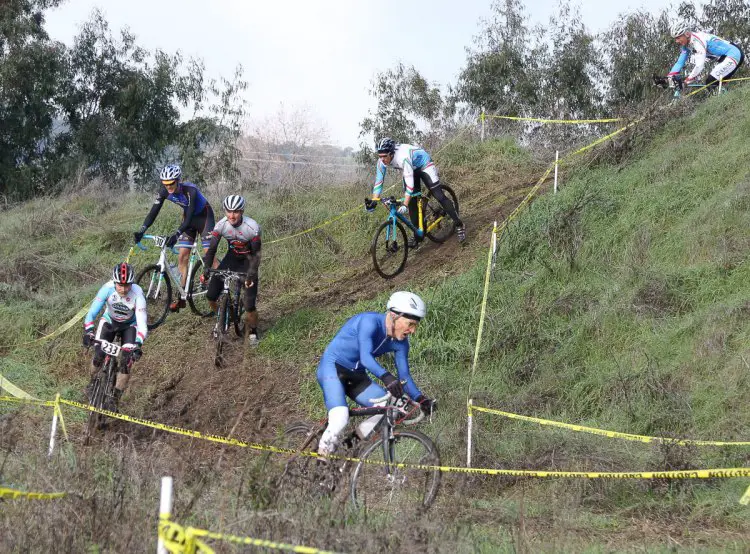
(386, 146)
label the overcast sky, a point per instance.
(322, 55)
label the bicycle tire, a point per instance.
(238, 311)
(157, 288)
(223, 326)
(96, 401)
(196, 294)
(372, 487)
(433, 211)
(393, 249)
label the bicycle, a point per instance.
(390, 248)
(102, 388)
(230, 310)
(156, 281)
(376, 478)
(677, 83)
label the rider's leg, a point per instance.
(123, 375)
(249, 296)
(105, 331)
(366, 398)
(335, 400)
(723, 70)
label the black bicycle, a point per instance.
(378, 478)
(101, 391)
(230, 310)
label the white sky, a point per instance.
(320, 55)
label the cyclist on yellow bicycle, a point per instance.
(418, 168)
(351, 355)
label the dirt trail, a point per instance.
(263, 391)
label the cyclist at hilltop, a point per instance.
(418, 168)
(124, 315)
(243, 235)
(197, 219)
(704, 46)
(351, 355)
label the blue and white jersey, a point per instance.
(130, 308)
(704, 45)
(407, 158)
(361, 340)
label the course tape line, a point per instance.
(64, 327)
(179, 539)
(15, 494)
(685, 474)
(14, 390)
(605, 433)
(542, 120)
(27, 400)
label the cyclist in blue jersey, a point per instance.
(197, 219)
(704, 46)
(418, 168)
(125, 315)
(350, 358)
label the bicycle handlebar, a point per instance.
(392, 405)
(155, 238)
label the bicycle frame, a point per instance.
(167, 269)
(229, 278)
(393, 215)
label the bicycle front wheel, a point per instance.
(196, 294)
(384, 486)
(389, 249)
(157, 288)
(438, 224)
(222, 326)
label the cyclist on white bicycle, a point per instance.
(125, 315)
(704, 46)
(418, 168)
(243, 235)
(351, 355)
(197, 219)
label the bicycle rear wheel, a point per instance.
(438, 224)
(389, 249)
(196, 294)
(377, 486)
(222, 328)
(157, 288)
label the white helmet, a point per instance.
(171, 172)
(679, 28)
(234, 203)
(407, 304)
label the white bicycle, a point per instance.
(157, 281)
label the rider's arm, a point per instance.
(699, 58)
(377, 188)
(208, 258)
(365, 333)
(192, 194)
(402, 365)
(97, 305)
(141, 317)
(680, 63)
(254, 257)
(155, 208)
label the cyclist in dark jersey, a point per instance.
(197, 219)
(243, 235)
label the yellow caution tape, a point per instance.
(610, 434)
(15, 494)
(14, 390)
(323, 224)
(685, 474)
(745, 500)
(27, 400)
(542, 120)
(64, 327)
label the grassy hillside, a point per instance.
(619, 303)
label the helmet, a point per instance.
(234, 203)
(407, 304)
(386, 146)
(171, 172)
(122, 274)
(679, 28)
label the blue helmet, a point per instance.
(386, 146)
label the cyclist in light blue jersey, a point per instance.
(418, 168)
(705, 46)
(351, 357)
